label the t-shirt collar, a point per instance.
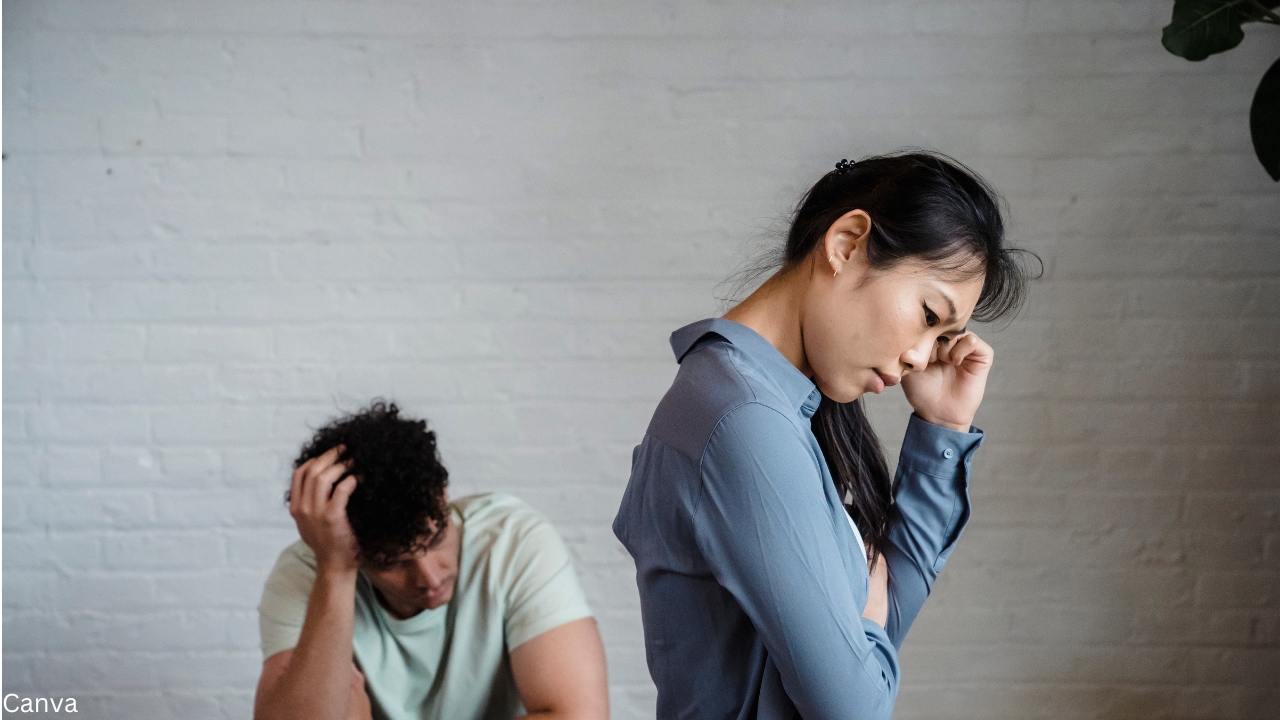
(800, 390)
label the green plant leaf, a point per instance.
(1264, 121)
(1201, 28)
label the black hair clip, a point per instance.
(844, 166)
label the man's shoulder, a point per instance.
(295, 564)
(298, 552)
(500, 527)
(488, 502)
(284, 597)
(496, 513)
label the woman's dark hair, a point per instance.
(926, 206)
(398, 505)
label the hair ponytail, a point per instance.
(858, 468)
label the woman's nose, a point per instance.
(916, 358)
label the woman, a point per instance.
(763, 594)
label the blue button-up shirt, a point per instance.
(752, 585)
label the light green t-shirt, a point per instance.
(515, 582)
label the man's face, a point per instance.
(420, 581)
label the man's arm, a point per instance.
(561, 673)
(313, 681)
(358, 705)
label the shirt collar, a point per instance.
(800, 390)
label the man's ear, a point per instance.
(844, 247)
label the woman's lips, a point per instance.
(883, 381)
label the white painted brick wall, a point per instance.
(224, 222)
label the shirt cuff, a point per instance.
(936, 450)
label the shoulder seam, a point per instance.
(734, 362)
(702, 456)
(754, 399)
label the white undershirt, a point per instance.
(856, 535)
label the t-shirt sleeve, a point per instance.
(541, 586)
(284, 599)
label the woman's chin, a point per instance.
(844, 395)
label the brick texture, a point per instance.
(225, 222)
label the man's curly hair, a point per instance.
(398, 505)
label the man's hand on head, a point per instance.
(316, 680)
(318, 497)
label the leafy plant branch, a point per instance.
(1201, 28)
(1264, 13)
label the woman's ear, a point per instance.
(845, 244)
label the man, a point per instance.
(398, 604)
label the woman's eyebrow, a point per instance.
(951, 306)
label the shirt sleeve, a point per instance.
(931, 492)
(763, 523)
(542, 589)
(284, 599)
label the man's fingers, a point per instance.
(324, 461)
(332, 454)
(319, 487)
(295, 489)
(312, 501)
(342, 492)
(312, 482)
(299, 483)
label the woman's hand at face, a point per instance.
(949, 391)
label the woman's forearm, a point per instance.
(931, 493)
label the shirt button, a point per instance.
(948, 453)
